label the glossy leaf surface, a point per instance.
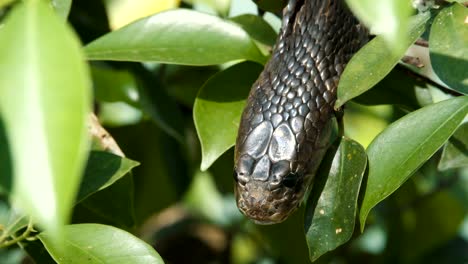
(373, 62)
(177, 36)
(448, 46)
(455, 154)
(332, 205)
(95, 243)
(405, 145)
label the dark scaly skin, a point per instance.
(285, 127)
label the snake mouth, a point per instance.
(265, 215)
(268, 222)
(273, 219)
(262, 216)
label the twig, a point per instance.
(415, 61)
(22, 237)
(422, 43)
(103, 137)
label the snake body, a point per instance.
(286, 124)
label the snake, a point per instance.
(285, 127)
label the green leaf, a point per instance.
(45, 99)
(218, 108)
(448, 47)
(114, 85)
(257, 28)
(103, 169)
(94, 243)
(62, 7)
(177, 36)
(387, 18)
(332, 206)
(273, 6)
(455, 154)
(405, 145)
(373, 62)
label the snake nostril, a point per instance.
(240, 180)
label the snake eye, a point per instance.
(290, 181)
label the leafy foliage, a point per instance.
(168, 91)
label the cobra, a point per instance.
(286, 125)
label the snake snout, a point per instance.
(256, 200)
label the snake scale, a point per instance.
(286, 125)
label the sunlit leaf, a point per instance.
(218, 108)
(62, 7)
(373, 62)
(94, 243)
(455, 154)
(332, 205)
(177, 36)
(448, 46)
(44, 100)
(405, 145)
(388, 18)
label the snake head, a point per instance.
(274, 168)
(268, 202)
